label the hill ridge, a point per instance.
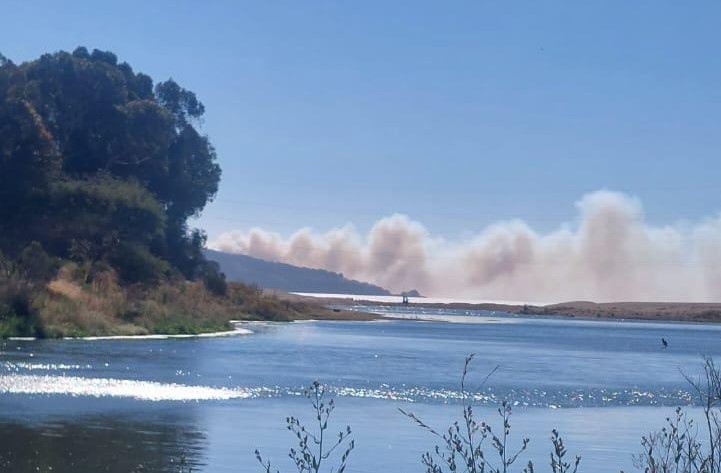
(287, 277)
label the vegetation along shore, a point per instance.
(100, 170)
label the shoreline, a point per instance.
(697, 312)
(342, 308)
(236, 332)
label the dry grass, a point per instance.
(71, 308)
(78, 302)
(69, 289)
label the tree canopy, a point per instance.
(98, 163)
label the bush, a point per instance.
(35, 264)
(462, 444)
(135, 263)
(680, 447)
(18, 288)
(315, 447)
(214, 279)
(88, 152)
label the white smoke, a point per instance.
(609, 254)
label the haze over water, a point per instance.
(76, 405)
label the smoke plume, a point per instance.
(609, 254)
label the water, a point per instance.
(110, 405)
(417, 300)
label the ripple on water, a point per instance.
(32, 384)
(109, 387)
(24, 366)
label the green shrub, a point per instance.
(18, 317)
(214, 279)
(135, 263)
(35, 264)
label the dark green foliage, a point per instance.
(101, 213)
(183, 104)
(185, 250)
(28, 162)
(18, 279)
(558, 462)
(34, 264)
(136, 263)
(97, 164)
(214, 279)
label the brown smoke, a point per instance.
(609, 254)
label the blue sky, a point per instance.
(458, 114)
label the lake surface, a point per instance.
(86, 406)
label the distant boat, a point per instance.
(664, 342)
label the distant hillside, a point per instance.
(289, 278)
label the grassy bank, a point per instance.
(71, 304)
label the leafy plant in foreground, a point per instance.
(680, 446)
(463, 443)
(315, 447)
(558, 464)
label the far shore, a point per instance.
(648, 311)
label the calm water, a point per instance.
(70, 406)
